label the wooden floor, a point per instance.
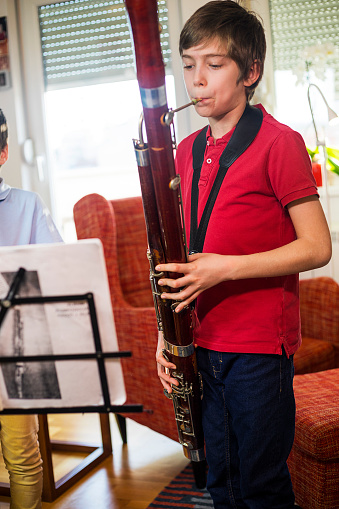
(130, 479)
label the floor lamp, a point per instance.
(323, 153)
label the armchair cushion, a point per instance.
(317, 430)
(314, 459)
(319, 312)
(314, 355)
(319, 309)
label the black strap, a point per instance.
(198, 148)
(246, 130)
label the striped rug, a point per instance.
(181, 493)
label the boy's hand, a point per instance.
(164, 366)
(202, 271)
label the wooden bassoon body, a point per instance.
(160, 188)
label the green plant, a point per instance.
(332, 162)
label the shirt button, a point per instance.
(208, 161)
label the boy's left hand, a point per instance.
(202, 271)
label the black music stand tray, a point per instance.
(96, 454)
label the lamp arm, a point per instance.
(311, 109)
(331, 113)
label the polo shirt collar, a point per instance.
(226, 138)
(4, 189)
(220, 141)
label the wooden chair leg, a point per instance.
(121, 422)
(95, 455)
(49, 492)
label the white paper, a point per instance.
(57, 328)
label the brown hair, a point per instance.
(239, 30)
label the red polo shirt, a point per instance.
(250, 216)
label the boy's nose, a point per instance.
(199, 78)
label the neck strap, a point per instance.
(246, 130)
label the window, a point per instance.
(92, 100)
(305, 26)
(90, 39)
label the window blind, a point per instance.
(297, 24)
(90, 39)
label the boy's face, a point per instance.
(212, 76)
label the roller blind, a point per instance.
(90, 40)
(298, 24)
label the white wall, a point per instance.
(15, 172)
(265, 92)
(179, 11)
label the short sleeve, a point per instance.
(290, 169)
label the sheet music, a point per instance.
(57, 328)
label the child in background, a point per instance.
(24, 219)
(266, 226)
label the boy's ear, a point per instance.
(4, 155)
(253, 74)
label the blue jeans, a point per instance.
(248, 421)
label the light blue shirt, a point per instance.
(24, 218)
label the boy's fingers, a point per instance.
(184, 297)
(172, 267)
(166, 386)
(166, 378)
(163, 362)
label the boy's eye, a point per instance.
(215, 66)
(187, 66)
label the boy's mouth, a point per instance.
(199, 100)
(204, 101)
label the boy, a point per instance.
(266, 226)
(24, 219)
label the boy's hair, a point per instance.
(239, 30)
(3, 131)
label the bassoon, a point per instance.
(161, 197)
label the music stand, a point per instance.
(20, 361)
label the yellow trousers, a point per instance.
(20, 449)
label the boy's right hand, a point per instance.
(164, 366)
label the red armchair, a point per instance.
(120, 225)
(319, 310)
(314, 459)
